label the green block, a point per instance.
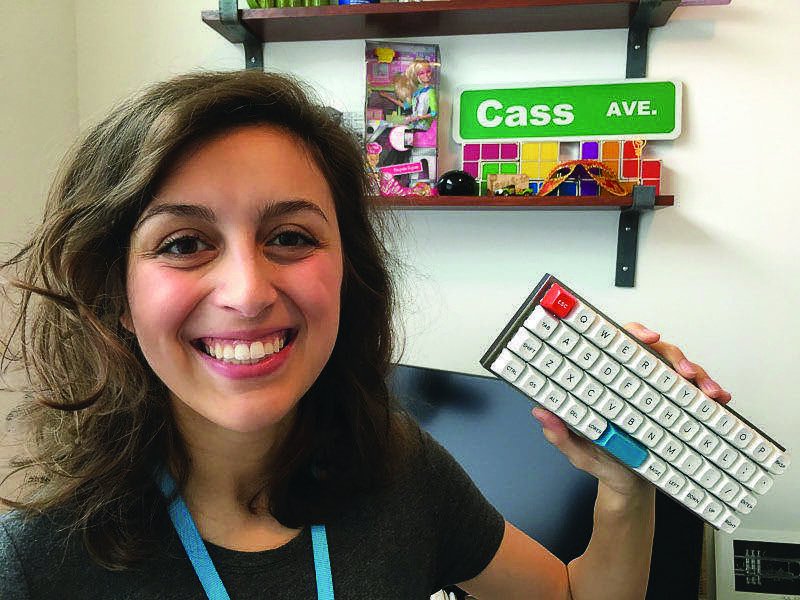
(489, 169)
(509, 168)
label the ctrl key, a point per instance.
(508, 365)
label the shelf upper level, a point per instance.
(514, 202)
(433, 18)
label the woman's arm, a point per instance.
(616, 563)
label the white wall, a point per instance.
(38, 107)
(717, 274)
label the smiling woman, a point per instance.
(203, 326)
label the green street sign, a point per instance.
(641, 109)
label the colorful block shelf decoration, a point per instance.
(537, 159)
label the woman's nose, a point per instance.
(246, 284)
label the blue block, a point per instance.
(622, 446)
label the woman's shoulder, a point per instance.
(28, 535)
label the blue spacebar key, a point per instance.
(621, 445)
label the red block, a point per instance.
(558, 301)
(630, 169)
(651, 169)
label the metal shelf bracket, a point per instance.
(644, 198)
(235, 31)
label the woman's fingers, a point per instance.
(680, 363)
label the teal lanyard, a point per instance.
(203, 565)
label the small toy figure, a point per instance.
(424, 103)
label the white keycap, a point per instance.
(670, 448)
(704, 408)
(729, 522)
(742, 435)
(588, 390)
(683, 392)
(649, 433)
(725, 456)
(667, 414)
(585, 354)
(780, 462)
(744, 469)
(568, 375)
(685, 428)
(605, 369)
(524, 344)
(711, 509)
(629, 419)
(541, 323)
(622, 348)
(547, 360)
(691, 495)
(531, 382)
(643, 363)
(674, 481)
(572, 411)
(689, 461)
(745, 502)
(609, 405)
(759, 449)
(760, 483)
(721, 422)
(564, 339)
(646, 399)
(662, 378)
(508, 366)
(601, 333)
(707, 475)
(593, 425)
(625, 383)
(727, 489)
(581, 317)
(705, 441)
(653, 468)
(552, 396)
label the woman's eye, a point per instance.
(292, 239)
(183, 246)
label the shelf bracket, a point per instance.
(236, 32)
(644, 198)
(638, 32)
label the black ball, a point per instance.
(457, 183)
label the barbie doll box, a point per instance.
(401, 116)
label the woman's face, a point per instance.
(234, 279)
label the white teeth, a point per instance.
(243, 352)
(257, 350)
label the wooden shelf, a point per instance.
(514, 202)
(433, 18)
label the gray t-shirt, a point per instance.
(430, 529)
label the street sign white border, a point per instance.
(501, 86)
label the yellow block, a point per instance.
(530, 151)
(532, 170)
(549, 151)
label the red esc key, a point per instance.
(558, 301)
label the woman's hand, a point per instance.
(590, 458)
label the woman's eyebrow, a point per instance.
(286, 207)
(270, 211)
(178, 210)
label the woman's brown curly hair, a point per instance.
(97, 418)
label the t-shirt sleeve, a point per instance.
(469, 529)
(13, 585)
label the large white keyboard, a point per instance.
(616, 391)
